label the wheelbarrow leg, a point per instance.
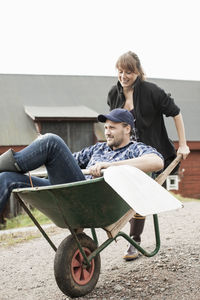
(36, 223)
(138, 247)
(94, 235)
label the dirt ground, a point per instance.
(26, 269)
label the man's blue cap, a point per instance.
(118, 115)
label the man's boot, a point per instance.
(8, 163)
(136, 229)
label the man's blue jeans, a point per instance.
(49, 150)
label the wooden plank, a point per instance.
(113, 229)
(162, 177)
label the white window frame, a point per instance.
(172, 182)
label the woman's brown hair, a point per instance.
(131, 62)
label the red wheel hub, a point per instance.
(81, 273)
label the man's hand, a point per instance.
(95, 170)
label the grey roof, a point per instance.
(18, 91)
(60, 112)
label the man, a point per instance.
(63, 166)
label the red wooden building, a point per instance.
(189, 173)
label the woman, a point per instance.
(148, 103)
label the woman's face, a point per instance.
(126, 77)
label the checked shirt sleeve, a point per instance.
(83, 157)
(140, 149)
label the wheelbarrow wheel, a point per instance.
(72, 276)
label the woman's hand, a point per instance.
(184, 150)
(96, 170)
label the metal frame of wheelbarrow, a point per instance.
(93, 232)
(112, 235)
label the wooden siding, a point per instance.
(15, 148)
(189, 175)
(76, 134)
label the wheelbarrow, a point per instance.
(108, 202)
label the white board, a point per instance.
(140, 191)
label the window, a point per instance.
(172, 182)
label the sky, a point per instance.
(86, 37)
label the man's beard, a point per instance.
(113, 143)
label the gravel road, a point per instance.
(26, 269)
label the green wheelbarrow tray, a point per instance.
(84, 204)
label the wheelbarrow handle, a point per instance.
(87, 171)
(162, 177)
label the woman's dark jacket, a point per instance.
(150, 103)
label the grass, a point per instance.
(183, 199)
(23, 220)
(12, 239)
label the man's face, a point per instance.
(116, 134)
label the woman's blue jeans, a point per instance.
(49, 150)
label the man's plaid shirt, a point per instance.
(101, 152)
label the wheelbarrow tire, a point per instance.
(72, 279)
